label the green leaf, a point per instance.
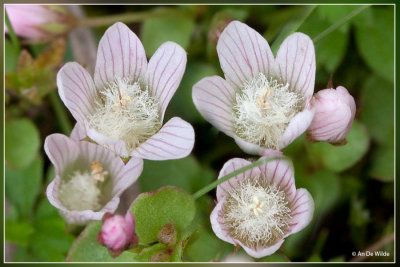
(340, 158)
(383, 164)
(176, 28)
(23, 186)
(10, 57)
(18, 232)
(375, 41)
(155, 209)
(377, 109)
(194, 72)
(184, 173)
(87, 249)
(21, 143)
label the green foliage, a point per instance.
(11, 57)
(177, 28)
(184, 173)
(375, 41)
(340, 158)
(22, 186)
(155, 209)
(21, 143)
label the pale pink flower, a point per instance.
(118, 232)
(39, 21)
(334, 115)
(123, 108)
(263, 102)
(89, 179)
(259, 208)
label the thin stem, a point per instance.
(126, 17)
(61, 115)
(214, 184)
(339, 23)
(11, 32)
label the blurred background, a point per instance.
(352, 185)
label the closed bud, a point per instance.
(40, 22)
(118, 232)
(334, 115)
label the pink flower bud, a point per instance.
(118, 232)
(335, 110)
(39, 22)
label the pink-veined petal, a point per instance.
(261, 252)
(249, 147)
(298, 125)
(217, 223)
(61, 151)
(127, 175)
(295, 63)
(281, 173)
(174, 140)
(229, 167)
(120, 55)
(116, 146)
(165, 72)
(76, 90)
(302, 208)
(78, 132)
(243, 53)
(213, 97)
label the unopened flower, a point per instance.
(263, 102)
(334, 115)
(89, 179)
(123, 108)
(259, 208)
(118, 232)
(39, 22)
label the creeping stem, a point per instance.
(214, 184)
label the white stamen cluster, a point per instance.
(81, 190)
(263, 109)
(126, 112)
(256, 213)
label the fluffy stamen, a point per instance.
(263, 109)
(80, 191)
(257, 213)
(126, 111)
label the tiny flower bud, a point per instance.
(39, 22)
(118, 232)
(167, 234)
(334, 115)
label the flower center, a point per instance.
(81, 190)
(125, 111)
(263, 109)
(256, 213)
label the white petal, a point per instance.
(165, 72)
(249, 147)
(78, 132)
(229, 167)
(120, 55)
(76, 90)
(61, 151)
(174, 140)
(295, 63)
(261, 252)
(127, 175)
(243, 53)
(217, 223)
(213, 98)
(302, 208)
(281, 173)
(297, 126)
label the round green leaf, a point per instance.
(21, 143)
(340, 158)
(155, 209)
